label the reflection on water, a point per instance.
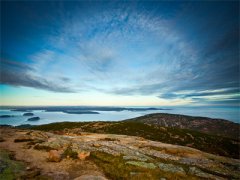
(232, 114)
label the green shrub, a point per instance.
(70, 153)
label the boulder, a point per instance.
(55, 156)
(83, 155)
(96, 145)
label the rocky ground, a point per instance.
(32, 154)
(210, 143)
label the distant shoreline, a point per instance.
(109, 113)
(79, 109)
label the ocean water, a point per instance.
(231, 114)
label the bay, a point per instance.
(228, 113)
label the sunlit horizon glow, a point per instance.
(119, 53)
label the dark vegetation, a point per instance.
(70, 153)
(22, 140)
(116, 168)
(214, 144)
(9, 168)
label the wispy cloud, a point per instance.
(136, 49)
(18, 74)
(207, 96)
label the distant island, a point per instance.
(28, 114)
(34, 119)
(6, 116)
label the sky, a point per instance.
(120, 53)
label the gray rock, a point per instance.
(90, 177)
(158, 154)
(197, 172)
(134, 158)
(171, 168)
(142, 164)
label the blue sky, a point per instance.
(120, 53)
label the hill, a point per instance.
(202, 124)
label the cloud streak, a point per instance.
(18, 74)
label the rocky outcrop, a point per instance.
(171, 168)
(48, 146)
(218, 145)
(131, 154)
